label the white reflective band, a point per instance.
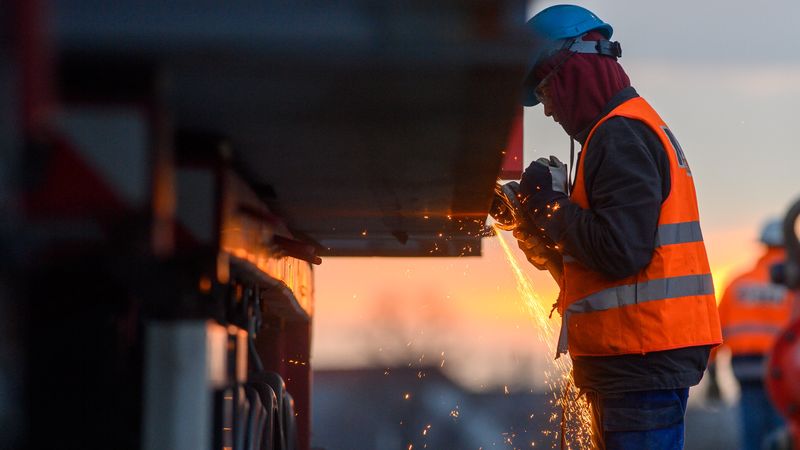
(678, 233)
(601, 47)
(669, 234)
(645, 291)
(750, 328)
(631, 294)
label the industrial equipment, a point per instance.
(509, 214)
(171, 172)
(783, 366)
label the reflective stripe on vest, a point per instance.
(645, 291)
(678, 233)
(631, 294)
(668, 234)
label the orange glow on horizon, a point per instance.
(730, 253)
(369, 309)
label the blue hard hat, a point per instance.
(772, 233)
(552, 28)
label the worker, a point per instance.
(753, 311)
(639, 316)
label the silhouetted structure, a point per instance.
(393, 408)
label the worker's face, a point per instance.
(544, 90)
(544, 93)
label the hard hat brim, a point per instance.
(529, 96)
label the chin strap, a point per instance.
(603, 47)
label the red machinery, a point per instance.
(783, 369)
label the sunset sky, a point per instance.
(723, 74)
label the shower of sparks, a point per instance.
(576, 415)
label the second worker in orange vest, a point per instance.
(639, 316)
(753, 312)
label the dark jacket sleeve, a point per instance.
(626, 175)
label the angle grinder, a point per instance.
(508, 213)
(506, 207)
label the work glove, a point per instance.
(536, 247)
(540, 251)
(542, 186)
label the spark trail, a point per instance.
(575, 423)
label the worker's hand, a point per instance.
(713, 393)
(558, 172)
(537, 249)
(543, 186)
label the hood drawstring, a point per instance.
(570, 181)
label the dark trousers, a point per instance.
(651, 420)
(758, 416)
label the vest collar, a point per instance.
(619, 98)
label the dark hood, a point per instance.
(582, 86)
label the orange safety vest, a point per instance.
(667, 305)
(753, 311)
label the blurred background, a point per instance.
(723, 76)
(261, 225)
